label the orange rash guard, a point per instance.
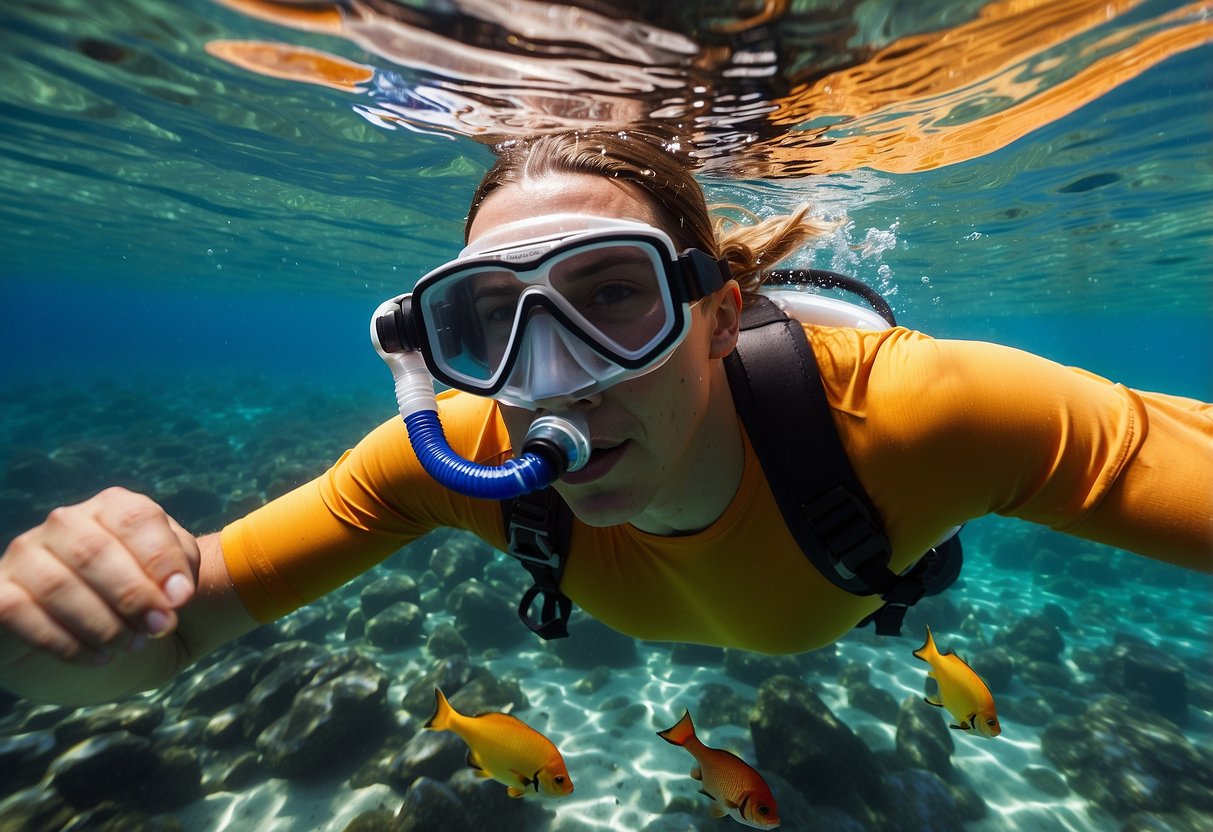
(939, 432)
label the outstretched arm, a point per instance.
(109, 597)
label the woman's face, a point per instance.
(649, 433)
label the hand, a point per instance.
(95, 578)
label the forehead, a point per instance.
(564, 193)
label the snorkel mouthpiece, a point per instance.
(553, 445)
(562, 438)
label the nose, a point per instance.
(563, 404)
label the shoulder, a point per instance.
(858, 364)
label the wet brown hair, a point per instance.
(675, 195)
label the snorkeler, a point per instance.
(597, 291)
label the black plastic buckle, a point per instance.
(529, 527)
(845, 530)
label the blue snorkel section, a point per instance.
(512, 479)
(553, 445)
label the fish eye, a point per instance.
(764, 810)
(559, 778)
(991, 722)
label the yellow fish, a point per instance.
(506, 749)
(961, 691)
(735, 789)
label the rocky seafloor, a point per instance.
(1099, 661)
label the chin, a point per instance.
(600, 510)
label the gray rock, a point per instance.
(721, 705)
(391, 589)
(330, 723)
(922, 802)
(140, 718)
(315, 623)
(283, 652)
(876, 701)
(445, 641)
(1034, 637)
(484, 618)
(458, 557)
(219, 686)
(126, 769)
(1126, 760)
(797, 737)
(488, 807)
(923, 738)
(396, 627)
(24, 758)
(270, 698)
(431, 806)
(755, 668)
(1150, 679)
(434, 754)
(224, 729)
(34, 809)
(102, 767)
(234, 774)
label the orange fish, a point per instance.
(506, 749)
(735, 789)
(961, 691)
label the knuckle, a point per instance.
(85, 550)
(61, 516)
(51, 585)
(163, 560)
(133, 599)
(12, 602)
(114, 492)
(136, 513)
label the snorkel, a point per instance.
(553, 444)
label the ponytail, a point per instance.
(753, 246)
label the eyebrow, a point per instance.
(601, 265)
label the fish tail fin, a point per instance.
(681, 732)
(928, 651)
(441, 720)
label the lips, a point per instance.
(602, 460)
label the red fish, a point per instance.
(735, 789)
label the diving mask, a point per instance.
(554, 306)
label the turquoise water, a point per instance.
(193, 249)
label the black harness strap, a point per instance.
(820, 497)
(790, 425)
(539, 527)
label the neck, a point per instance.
(705, 485)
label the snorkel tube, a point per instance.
(553, 444)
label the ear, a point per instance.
(726, 319)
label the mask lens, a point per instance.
(470, 315)
(618, 292)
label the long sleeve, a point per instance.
(941, 432)
(373, 500)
